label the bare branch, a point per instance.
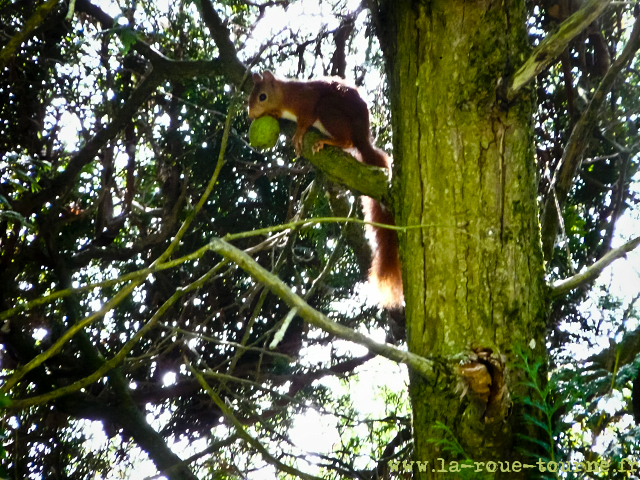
(163, 67)
(553, 45)
(233, 67)
(162, 64)
(180, 68)
(573, 152)
(213, 448)
(564, 286)
(421, 365)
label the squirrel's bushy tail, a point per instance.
(385, 273)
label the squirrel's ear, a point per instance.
(269, 76)
(256, 78)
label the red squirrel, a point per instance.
(339, 112)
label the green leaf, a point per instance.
(533, 420)
(531, 385)
(5, 400)
(539, 405)
(128, 37)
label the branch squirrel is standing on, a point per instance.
(339, 112)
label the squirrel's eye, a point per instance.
(263, 97)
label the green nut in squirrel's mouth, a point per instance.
(264, 132)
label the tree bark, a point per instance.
(464, 167)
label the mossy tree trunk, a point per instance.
(464, 165)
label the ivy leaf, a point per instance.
(128, 37)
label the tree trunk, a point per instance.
(464, 167)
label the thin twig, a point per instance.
(591, 273)
(421, 365)
(110, 364)
(126, 290)
(580, 136)
(242, 433)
